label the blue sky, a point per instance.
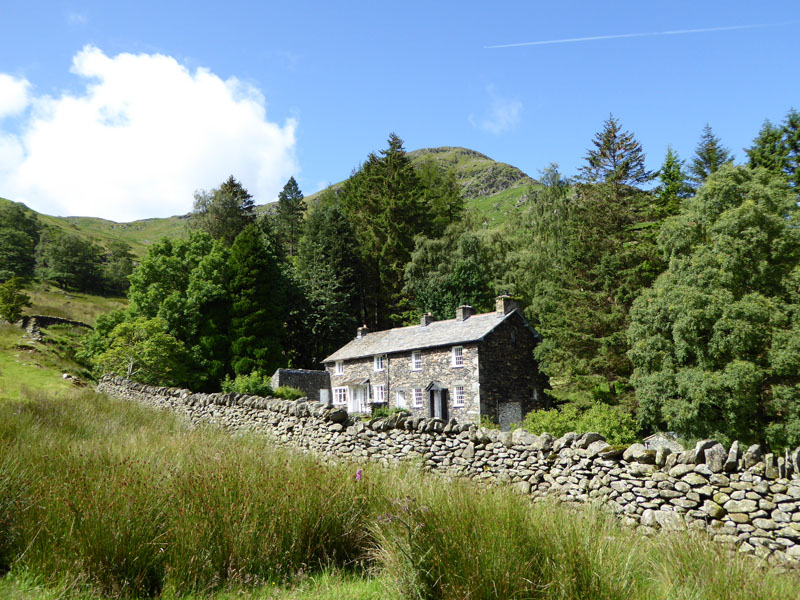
(122, 110)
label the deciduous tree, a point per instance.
(12, 300)
(714, 342)
(224, 212)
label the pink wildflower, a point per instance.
(358, 475)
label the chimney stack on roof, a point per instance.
(505, 304)
(426, 319)
(362, 331)
(464, 312)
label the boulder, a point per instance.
(338, 415)
(732, 461)
(752, 456)
(715, 457)
(638, 453)
(588, 438)
(542, 442)
(522, 437)
(566, 440)
(741, 506)
(700, 449)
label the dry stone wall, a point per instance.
(741, 497)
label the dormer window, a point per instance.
(458, 356)
(380, 360)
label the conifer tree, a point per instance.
(383, 197)
(673, 188)
(709, 156)
(592, 260)
(258, 291)
(616, 160)
(289, 215)
(769, 149)
(778, 148)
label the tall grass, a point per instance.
(103, 497)
(128, 501)
(457, 541)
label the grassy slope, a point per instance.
(26, 365)
(493, 190)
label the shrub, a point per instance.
(255, 384)
(383, 412)
(288, 392)
(488, 423)
(617, 425)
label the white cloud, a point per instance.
(503, 114)
(13, 95)
(142, 136)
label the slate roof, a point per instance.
(418, 337)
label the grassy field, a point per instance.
(101, 498)
(53, 301)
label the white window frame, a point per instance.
(416, 361)
(400, 399)
(340, 395)
(458, 356)
(459, 396)
(379, 362)
(379, 393)
(339, 367)
(417, 397)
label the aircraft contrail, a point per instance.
(632, 35)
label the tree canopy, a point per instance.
(714, 342)
(223, 212)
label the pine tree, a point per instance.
(383, 197)
(258, 291)
(769, 149)
(588, 258)
(673, 189)
(791, 129)
(709, 156)
(330, 272)
(289, 214)
(617, 159)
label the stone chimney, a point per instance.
(464, 312)
(505, 304)
(362, 331)
(426, 319)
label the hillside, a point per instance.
(493, 190)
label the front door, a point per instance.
(358, 399)
(437, 400)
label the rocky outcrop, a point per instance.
(750, 502)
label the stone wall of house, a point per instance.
(740, 497)
(398, 375)
(311, 382)
(437, 366)
(510, 382)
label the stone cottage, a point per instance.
(462, 368)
